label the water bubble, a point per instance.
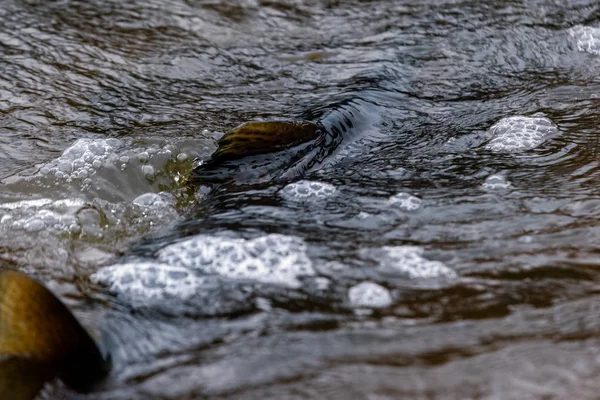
(99, 147)
(34, 225)
(112, 143)
(405, 201)
(519, 133)
(90, 221)
(65, 166)
(168, 288)
(496, 182)
(75, 228)
(322, 283)
(369, 295)
(148, 171)
(77, 164)
(281, 259)
(525, 239)
(153, 199)
(181, 157)
(408, 262)
(143, 280)
(307, 191)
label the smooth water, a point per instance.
(448, 248)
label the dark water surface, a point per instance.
(431, 258)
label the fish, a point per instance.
(261, 151)
(41, 340)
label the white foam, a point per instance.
(37, 203)
(148, 171)
(322, 283)
(405, 201)
(206, 274)
(155, 201)
(272, 259)
(82, 159)
(369, 295)
(409, 262)
(307, 191)
(40, 215)
(587, 38)
(94, 219)
(150, 281)
(519, 133)
(113, 169)
(173, 290)
(496, 182)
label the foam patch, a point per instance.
(519, 133)
(40, 215)
(270, 259)
(155, 201)
(369, 295)
(46, 234)
(405, 202)
(113, 169)
(172, 289)
(587, 38)
(408, 262)
(147, 280)
(307, 191)
(38, 203)
(496, 182)
(76, 215)
(82, 160)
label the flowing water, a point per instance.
(447, 248)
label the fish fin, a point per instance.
(21, 378)
(255, 138)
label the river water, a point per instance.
(447, 248)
